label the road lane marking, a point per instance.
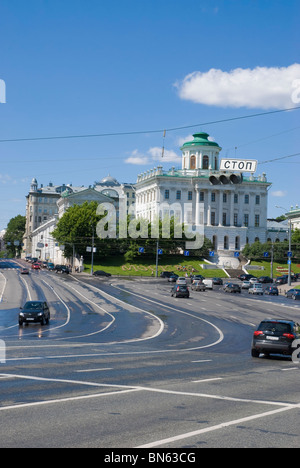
(95, 370)
(207, 380)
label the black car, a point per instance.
(62, 269)
(101, 273)
(173, 278)
(281, 280)
(166, 274)
(271, 291)
(232, 288)
(275, 337)
(245, 277)
(180, 290)
(293, 293)
(265, 279)
(34, 311)
(217, 281)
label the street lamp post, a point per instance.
(290, 246)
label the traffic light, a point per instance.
(226, 179)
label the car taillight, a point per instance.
(177, 288)
(289, 336)
(258, 332)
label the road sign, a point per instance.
(239, 165)
(141, 250)
(236, 254)
(211, 253)
(266, 254)
(289, 262)
(186, 253)
(159, 251)
(290, 254)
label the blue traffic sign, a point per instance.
(289, 262)
(211, 253)
(236, 254)
(290, 254)
(266, 254)
(186, 253)
(159, 251)
(141, 250)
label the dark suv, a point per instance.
(180, 290)
(34, 311)
(232, 288)
(275, 337)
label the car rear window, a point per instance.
(278, 327)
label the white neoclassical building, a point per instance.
(200, 194)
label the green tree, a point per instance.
(14, 235)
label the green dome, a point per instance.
(200, 139)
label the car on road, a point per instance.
(253, 280)
(245, 277)
(62, 269)
(265, 279)
(293, 293)
(50, 266)
(34, 311)
(198, 285)
(173, 278)
(281, 280)
(24, 271)
(256, 288)
(232, 288)
(36, 266)
(181, 280)
(217, 281)
(180, 290)
(272, 291)
(246, 284)
(101, 273)
(166, 274)
(197, 277)
(275, 336)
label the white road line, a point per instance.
(2, 292)
(27, 288)
(95, 370)
(203, 360)
(212, 428)
(207, 380)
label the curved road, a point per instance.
(123, 364)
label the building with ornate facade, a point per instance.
(201, 195)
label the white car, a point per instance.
(246, 284)
(253, 280)
(256, 288)
(181, 280)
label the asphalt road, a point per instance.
(125, 365)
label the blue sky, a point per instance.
(77, 67)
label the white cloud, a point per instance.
(153, 155)
(279, 193)
(261, 87)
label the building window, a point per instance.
(193, 162)
(205, 162)
(178, 195)
(213, 197)
(224, 197)
(213, 218)
(224, 219)
(246, 220)
(201, 196)
(236, 198)
(226, 243)
(257, 200)
(235, 219)
(167, 194)
(237, 243)
(190, 195)
(256, 221)
(246, 199)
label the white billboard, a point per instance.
(238, 165)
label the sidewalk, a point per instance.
(285, 287)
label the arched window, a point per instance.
(256, 239)
(215, 242)
(193, 162)
(237, 243)
(205, 163)
(226, 243)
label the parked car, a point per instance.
(271, 291)
(245, 277)
(180, 290)
(246, 284)
(217, 281)
(166, 274)
(173, 278)
(34, 311)
(265, 279)
(281, 280)
(275, 337)
(101, 273)
(232, 288)
(197, 285)
(256, 288)
(62, 269)
(293, 293)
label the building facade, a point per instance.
(231, 214)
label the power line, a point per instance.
(141, 132)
